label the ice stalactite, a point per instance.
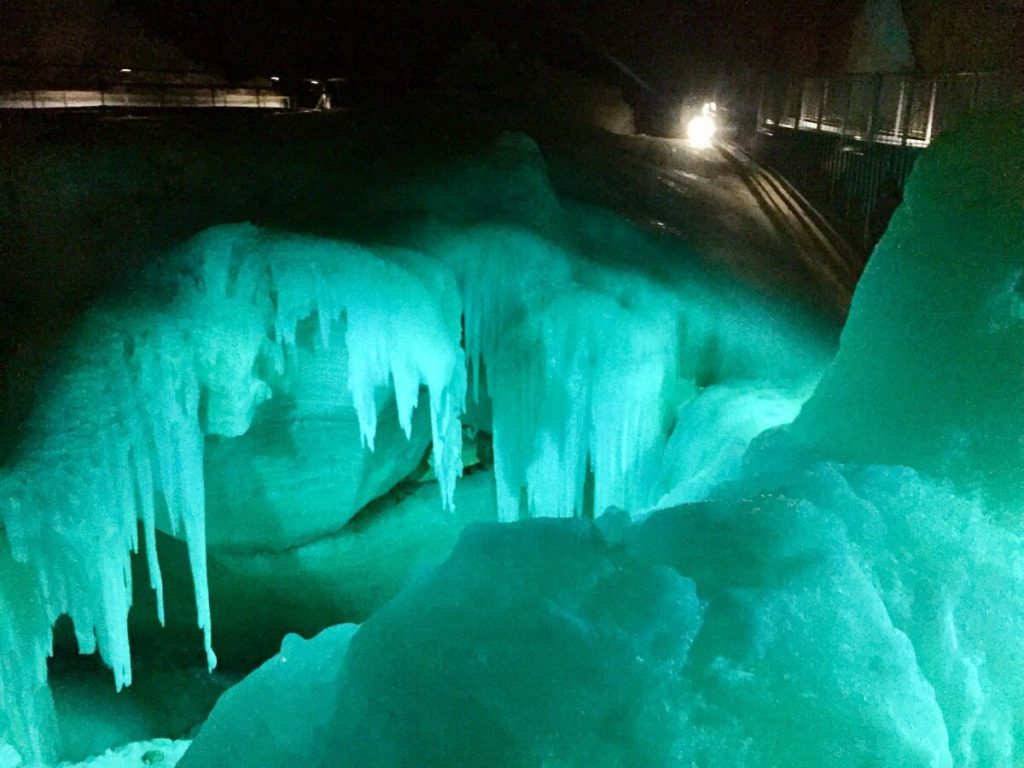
(585, 365)
(118, 435)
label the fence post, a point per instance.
(908, 113)
(760, 102)
(849, 106)
(900, 110)
(802, 84)
(931, 112)
(822, 100)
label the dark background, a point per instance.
(411, 39)
(657, 38)
(406, 42)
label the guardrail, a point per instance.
(901, 110)
(49, 86)
(850, 142)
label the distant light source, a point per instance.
(315, 82)
(125, 70)
(700, 131)
(274, 78)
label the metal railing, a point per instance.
(53, 86)
(901, 110)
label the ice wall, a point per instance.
(118, 436)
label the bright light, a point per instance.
(125, 70)
(315, 82)
(274, 78)
(700, 131)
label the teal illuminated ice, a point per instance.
(853, 596)
(259, 389)
(845, 590)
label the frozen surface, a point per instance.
(164, 753)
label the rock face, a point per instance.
(88, 33)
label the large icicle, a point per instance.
(118, 435)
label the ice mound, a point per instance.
(574, 652)
(267, 718)
(864, 615)
(930, 360)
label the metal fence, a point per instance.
(901, 110)
(50, 86)
(850, 142)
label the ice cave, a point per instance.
(455, 467)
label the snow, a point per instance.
(160, 752)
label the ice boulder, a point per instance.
(301, 470)
(854, 615)
(267, 718)
(535, 643)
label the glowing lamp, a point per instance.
(700, 131)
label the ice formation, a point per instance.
(931, 356)
(853, 594)
(588, 350)
(780, 629)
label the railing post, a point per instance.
(849, 106)
(871, 128)
(931, 112)
(760, 102)
(908, 113)
(822, 101)
(897, 127)
(802, 84)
